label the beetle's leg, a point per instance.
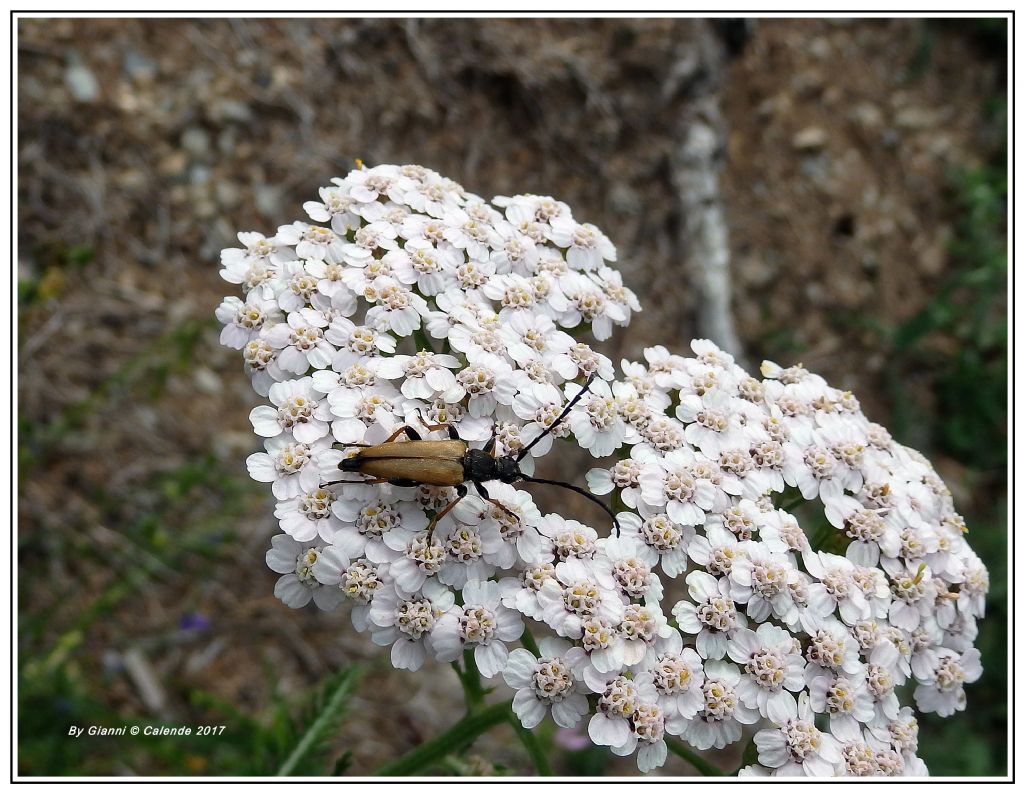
(410, 433)
(461, 491)
(490, 446)
(453, 434)
(356, 482)
(487, 497)
(433, 523)
(512, 515)
(435, 427)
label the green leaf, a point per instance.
(325, 721)
(341, 765)
(458, 736)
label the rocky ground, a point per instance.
(143, 147)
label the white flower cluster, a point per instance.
(825, 566)
(421, 305)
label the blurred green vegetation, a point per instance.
(294, 736)
(162, 534)
(957, 345)
(969, 424)
(58, 686)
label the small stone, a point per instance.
(815, 293)
(196, 142)
(227, 140)
(173, 164)
(867, 115)
(228, 194)
(81, 82)
(817, 168)
(268, 200)
(207, 381)
(807, 83)
(199, 175)
(230, 110)
(810, 138)
(204, 208)
(820, 47)
(931, 252)
(916, 118)
(130, 179)
(138, 67)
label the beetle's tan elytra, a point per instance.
(452, 463)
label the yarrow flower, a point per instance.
(821, 570)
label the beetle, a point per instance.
(453, 463)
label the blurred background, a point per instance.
(834, 190)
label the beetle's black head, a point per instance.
(508, 470)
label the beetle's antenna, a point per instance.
(559, 420)
(582, 492)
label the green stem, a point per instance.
(458, 736)
(533, 746)
(822, 536)
(422, 342)
(529, 642)
(462, 679)
(694, 759)
(796, 502)
(471, 685)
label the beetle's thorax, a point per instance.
(480, 466)
(508, 470)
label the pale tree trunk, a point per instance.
(696, 167)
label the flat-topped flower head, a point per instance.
(579, 591)
(289, 465)
(243, 321)
(359, 581)
(798, 747)
(831, 591)
(309, 515)
(720, 720)
(678, 676)
(483, 625)
(662, 542)
(406, 621)
(944, 692)
(299, 408)
(252, 266)
(296, 562)
(545, 684)
(587, 247)
(711, 615)
(772, 669)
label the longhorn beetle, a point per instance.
(452, 463)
